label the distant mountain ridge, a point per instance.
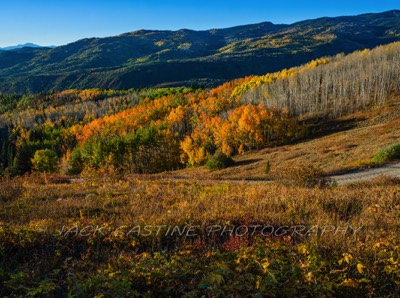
(148, 58)
(25, 45)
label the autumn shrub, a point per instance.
(219, 161)
(32, 178)
(90, 173)
(343, 208)
(106, 173)
(303, 176)
(111, 173)
(387, 154)
(9, 190)
(58, 179)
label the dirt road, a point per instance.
(392, 170)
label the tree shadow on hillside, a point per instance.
(316, 128)
(245, 162)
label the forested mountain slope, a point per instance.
(168, 129)
(168, 58)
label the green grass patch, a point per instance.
(389, 153)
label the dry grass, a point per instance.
(136, 202)
(34, 262)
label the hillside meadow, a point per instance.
(143, 237)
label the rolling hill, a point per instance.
(147, 58)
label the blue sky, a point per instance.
(58, 22)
